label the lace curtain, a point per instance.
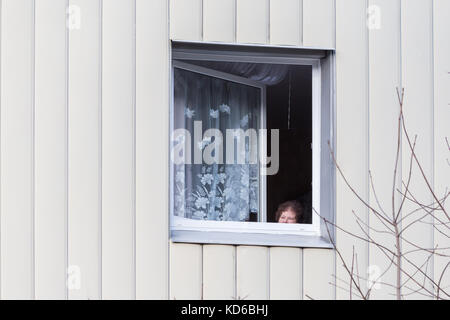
(226, 192)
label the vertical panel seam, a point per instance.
(236, 270)
(201, 272)
(269, 24)
(202, 36)
(334, 135)
(66, 153)
(202, 20)
(268, 21)
(1, 114)
(301, 264)
(303, 23)
(334, 116)
(333, 120)
(400, 63)
(133, 57)
(268, 272)
(235, 21)
(433, 133)
(100, 154)
(300, 22)
(367, 33)
(169, 87)
(335, 23)
(33, 157)
(234, 273)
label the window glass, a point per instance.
(213, 182)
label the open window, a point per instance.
(249, 138)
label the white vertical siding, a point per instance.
(16, 217)
(82, 111)
(252, 21)
(219, 272)
(441, 129)
(50, 150)
(186, 271)
(318, 271)
(252, 273)
(286, 22)
(84, 252)
(286, 276)
(152, 176)
(186, 19)
(319, 23)
(118, 264)
(219, 20)
(384, 79)
(417, 79)
(352, 136)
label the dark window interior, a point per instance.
(292, 114)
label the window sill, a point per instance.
(256, 239)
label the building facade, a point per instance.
(84, 174)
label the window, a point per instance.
(250, 128)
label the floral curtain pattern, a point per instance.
(223, 192)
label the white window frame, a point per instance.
(261, 233)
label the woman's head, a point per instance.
(289, 212)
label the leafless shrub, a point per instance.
(411, 277)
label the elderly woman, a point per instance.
(289, 212)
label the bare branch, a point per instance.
(375, 194)
(412, 277)
(440, 278)
(352, 189)
(420, 167)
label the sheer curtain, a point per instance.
(218, 191)
(269, 74)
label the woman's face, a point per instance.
(288, 216)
